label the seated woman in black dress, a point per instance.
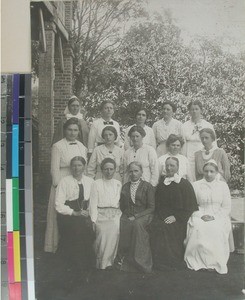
(137, 203)
(175, 202)
(75, 227)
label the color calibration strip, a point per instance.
(17, 255)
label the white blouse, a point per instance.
(68, 190)
(61, 154)
(104, 194)
(213, 198)
(163, 130)
(149, 139)
(95, 137)
(147, 156)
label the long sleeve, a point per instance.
(93, 203)
(91, 138)
(152, 139)
(225, 166)
(153, 167)
(226, 203)
(150, 203)
(92, 165)
(154, 128)
(127, 139)
(55, 165)
(60, 199)
(189, 205)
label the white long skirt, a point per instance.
(107, 236)
(207, 243)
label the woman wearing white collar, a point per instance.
(211, 151)
(207, 241)
(175, 202)
(72, 110)
(61, 154)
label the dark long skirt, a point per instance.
(76, 241)
(134, 242)
(167, 244)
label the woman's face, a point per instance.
(136, 138)
(77, 168)
(108, 170)
(171, 167)
(134, 173)
(175, 147)
(74, 107)
(206, 139)
(167, 111)
(195, 111)
(141, 117)
(71, 132)
(109, 137)
(209, 173)
(107, 110)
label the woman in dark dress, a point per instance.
(137, 203)
(175, 202)
(75, 227)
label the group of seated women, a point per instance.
(138, 204)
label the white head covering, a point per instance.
(67, 113)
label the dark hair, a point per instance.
(105, 102)
(107, 160)
(174, 107)
(78, 158)
(173, 158)
(173, 138)
(209, 131)
(195, 102)
(136, 163)
(138, 129)
(110, 128)
(72, 99)
(71, 121)
(209, 163)
(140, 109)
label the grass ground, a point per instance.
(55, 282)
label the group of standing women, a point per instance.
(137, 204)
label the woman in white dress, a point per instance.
(144, 154)
(174, 144)
(109, 149)
(207, 240)
(149, 139)
(72, 110)
(105, 214)
(61, 154)
(191, 130)
(164, 127)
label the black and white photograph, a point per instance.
(138, 149)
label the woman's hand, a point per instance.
(84, 213)
(132, 218)
(207, 218)
(76, 213)
(170, 219)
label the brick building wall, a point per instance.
(55, 88)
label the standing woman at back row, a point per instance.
(166, 126)
(191, 132)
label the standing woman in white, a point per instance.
(208, 229)
(164, 127)
(105, 214)
(149, 139)
(95, 138)
(61, 154)
(191, 132)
